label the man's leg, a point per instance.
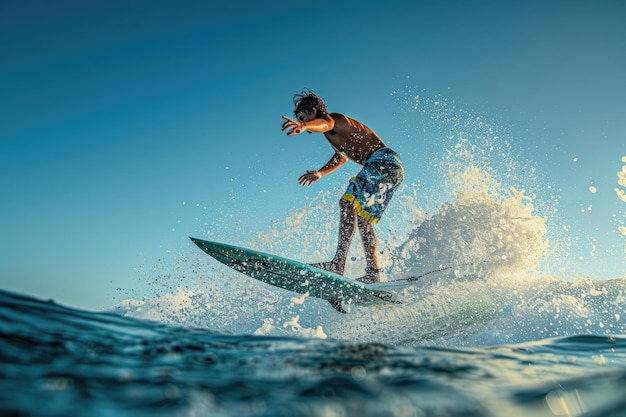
(370, 247)
(347, 217)
(347, 225)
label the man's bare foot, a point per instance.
(371, 276)
(327, 266)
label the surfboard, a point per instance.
(296, 276)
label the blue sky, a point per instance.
(123, 122)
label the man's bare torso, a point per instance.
(352, 138)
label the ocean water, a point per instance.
(497, 324)
(58, 361)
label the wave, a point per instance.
(485, 235)
(62, 361)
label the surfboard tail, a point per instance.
(336, 305)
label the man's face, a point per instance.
(304, 116)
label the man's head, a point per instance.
(306, 103)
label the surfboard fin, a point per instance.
(336, 305)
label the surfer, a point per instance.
(368, 194)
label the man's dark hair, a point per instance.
(307, 101)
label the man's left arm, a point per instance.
(335, 162)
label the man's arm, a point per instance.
(321, 125)
(335, 162)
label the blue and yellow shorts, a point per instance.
(371, 190)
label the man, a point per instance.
(368, 193)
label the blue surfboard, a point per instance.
(296, 276)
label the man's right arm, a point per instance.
(294, 127)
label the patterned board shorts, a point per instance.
(371, 190)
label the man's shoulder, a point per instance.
(343, 120)
(338, 117)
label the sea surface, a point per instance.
(60, 361)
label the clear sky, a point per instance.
(123, 122)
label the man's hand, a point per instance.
(309, 178)
(296, 127)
